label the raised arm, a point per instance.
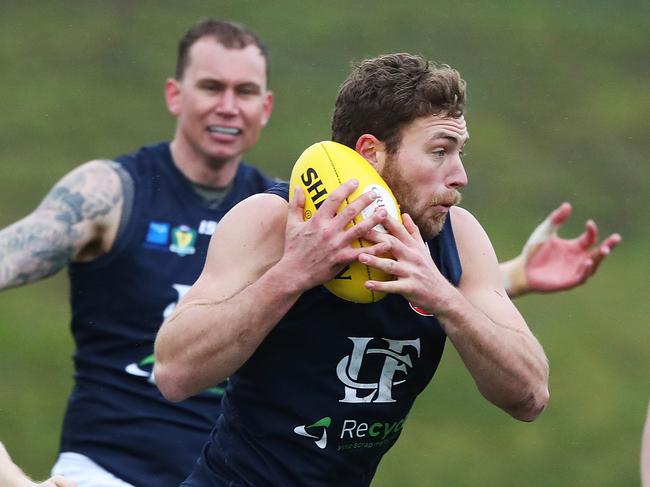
(77, 220)
(502, 355)
(261, 259)
(548, 263)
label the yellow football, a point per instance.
(319, 170)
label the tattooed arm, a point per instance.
(76, 221)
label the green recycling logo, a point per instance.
(313, 430)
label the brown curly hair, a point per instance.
(383, 94)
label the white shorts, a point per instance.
(85, 472)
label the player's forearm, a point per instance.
(508, 364)
(205, 341)
(32, 249)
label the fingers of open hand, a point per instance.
(609, 243)
(589, 236)
(603, 250)
(596, 256)
(544, 231)
(560, 214)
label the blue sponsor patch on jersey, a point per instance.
(158, 234)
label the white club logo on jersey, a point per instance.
(181, 290)
(144, 368)
(397, 357)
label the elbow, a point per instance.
(532, 398)
(531, 406)
(535, 397)
(170, 373)
(169, 382)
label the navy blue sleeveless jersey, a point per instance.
(115, 414)
(328, 391)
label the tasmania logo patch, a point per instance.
(183, 240)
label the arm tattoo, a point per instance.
(69, 218)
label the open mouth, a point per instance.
(220, 129)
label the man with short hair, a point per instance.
(320, 388)
(134, 232)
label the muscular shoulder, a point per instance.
(255, 223)
(247, 242)
(474, 247)
(468, 232)
(255, 214)
(464, 223)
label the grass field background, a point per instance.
(558, 110)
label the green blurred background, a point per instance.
(559, 95)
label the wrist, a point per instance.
(285, 280)
(515, 281)
(447, 302)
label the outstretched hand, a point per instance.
(555, 264)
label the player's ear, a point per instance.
(372, 149)
(173, 96)
(267, 107)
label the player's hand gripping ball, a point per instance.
(320, 169)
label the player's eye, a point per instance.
(248, 90)
(212, 87)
